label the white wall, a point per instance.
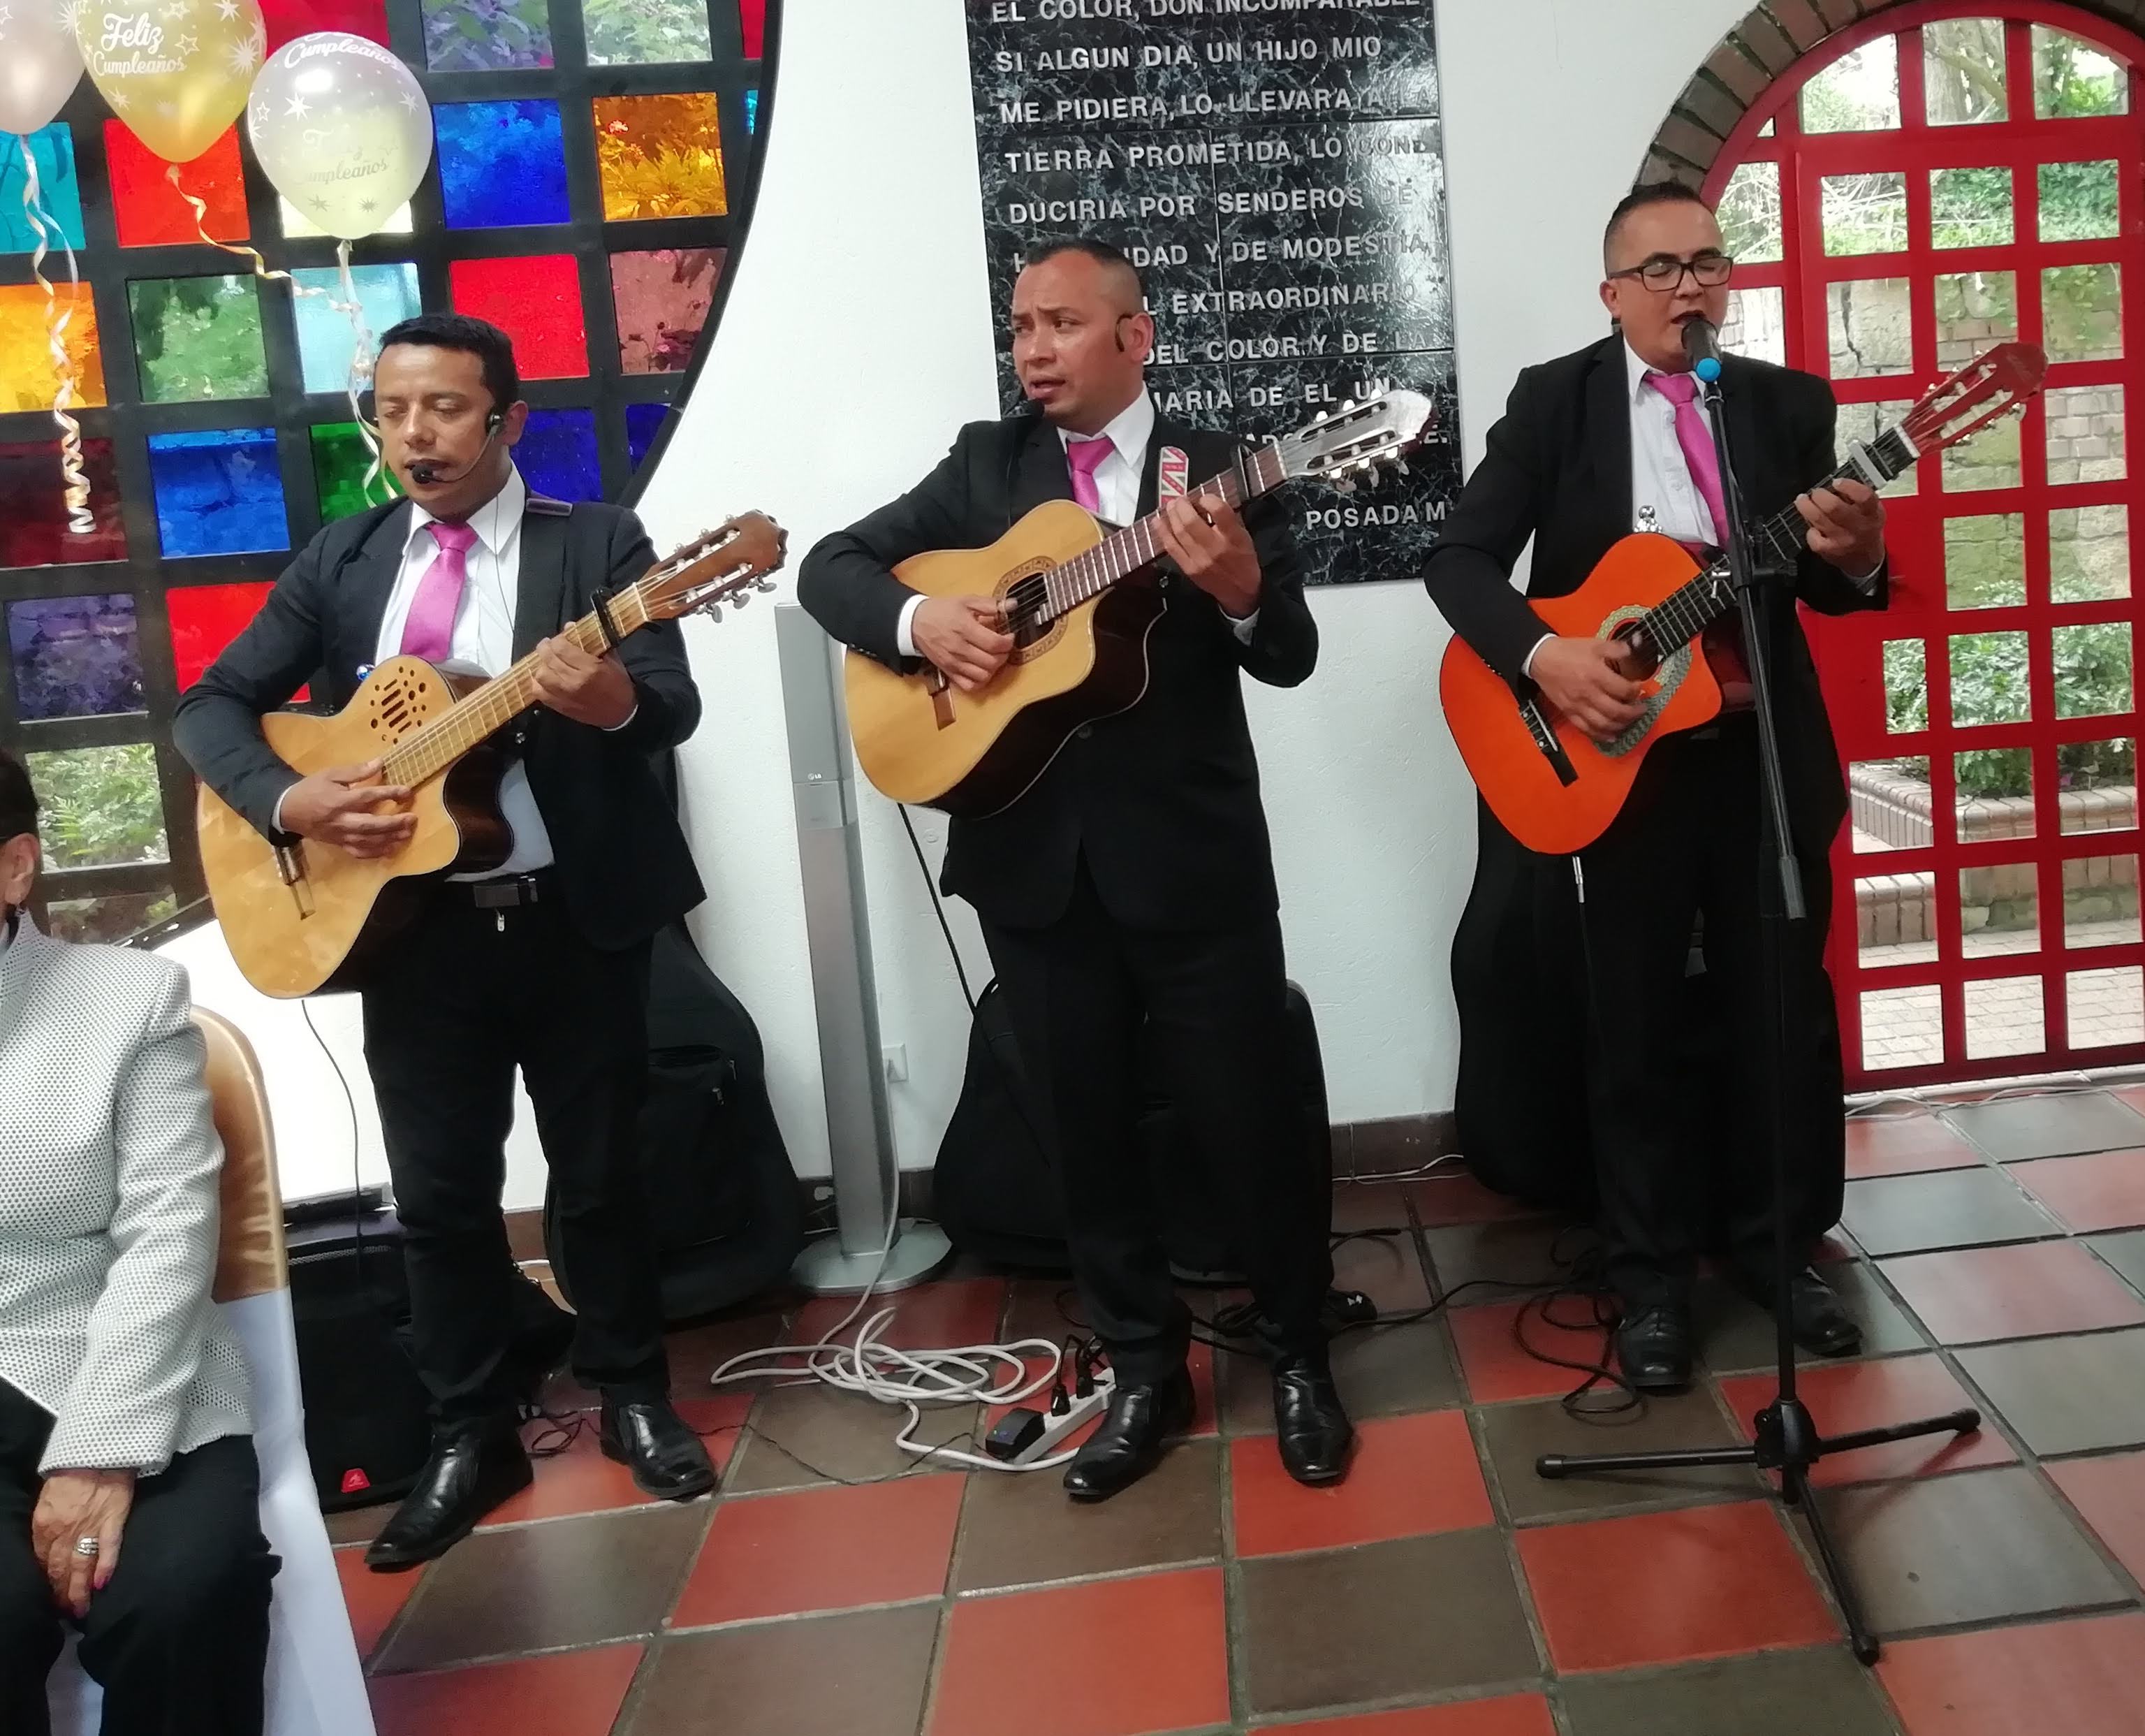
(857, 338)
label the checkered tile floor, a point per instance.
(1995, 1254)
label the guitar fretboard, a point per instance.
(1687, 612)
(1125, 552)
(469, 721)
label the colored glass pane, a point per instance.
(660, 156)
(557, 455)
(536, 299)
(288, 18)
(752, 109)
(386, 295)
(147, 209)
(644, 32)
(101, 806)
(75, 656)
(57, 188)
(663, 301)
(341, 460)
(483, 36)
(501, 163)
(218, 491)
(752, 23)
(205, 618)
(33, 516)
(643, 423)
(29, 377)
(198, 337)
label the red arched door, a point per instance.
(1933, 181)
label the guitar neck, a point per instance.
(1124, 552)
(1779, 541)
(432, 750)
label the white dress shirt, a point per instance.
(1662, 478)
(1116, 488)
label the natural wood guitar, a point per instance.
(1080, 634)
(305, 914)
(1554, 788)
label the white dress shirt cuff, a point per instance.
(275, 819)
(626, 723)
(1865, 581)
(1243, 627)
(904, 631)
(1527, 668)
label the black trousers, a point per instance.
(1214, 1010)
(463, 997)
(179, 1638)
(1687, 846)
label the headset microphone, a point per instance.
(425, 473)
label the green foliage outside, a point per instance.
(100, 805)
(1989, 683)
(642, 32)
(198, 337)
(483, 35)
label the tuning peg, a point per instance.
(715, 612)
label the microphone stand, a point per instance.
(1786, 1441)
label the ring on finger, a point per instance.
(87, 1547)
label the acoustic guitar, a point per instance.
(305, 915)
(1554, 788)
(1079, 631)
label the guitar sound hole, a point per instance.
(1642, 657)
(1024, 601)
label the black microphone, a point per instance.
(425, 471)
(1701, 343)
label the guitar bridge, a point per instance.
(291, 870)
(1552, 750)
(942, 699)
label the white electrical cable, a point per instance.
(962, 1374)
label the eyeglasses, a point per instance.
(1664, 274)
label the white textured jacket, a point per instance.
(109, 1164)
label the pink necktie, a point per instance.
(1723, 639)
(1085, 458)
(430, 631)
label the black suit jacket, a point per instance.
(624, 866)
(1161, 800)
(1559, 469)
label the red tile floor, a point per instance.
(831, 1588)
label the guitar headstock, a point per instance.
(1352, 441)
(1995, 383)
(727, 565)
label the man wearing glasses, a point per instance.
(1591, 446)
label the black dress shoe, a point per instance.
(1819, 1320)
(1652, 1346)
(468, 1473)
(667, 1459)
(1129, 1443)
(1311, 1429)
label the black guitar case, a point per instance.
(727, 1215)
(994, 1188)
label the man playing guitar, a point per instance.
(1128, 896)
(1592, 445)
(540, 965)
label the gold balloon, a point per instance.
(175, 72)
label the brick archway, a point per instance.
(1764, 45)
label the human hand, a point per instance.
(963, 637)
(72, 1506)
(340, 806)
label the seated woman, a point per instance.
(128, 1490)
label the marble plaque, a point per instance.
(1276, 170)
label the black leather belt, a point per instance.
(508, 892)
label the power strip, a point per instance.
(1056, 1429)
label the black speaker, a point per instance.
(366, 1430)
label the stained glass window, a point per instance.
(53, 151)
(218, 491)
(501, 163)
(660, 156)
(75, 656)
(216, 430)
(198, 337)
(662, 300)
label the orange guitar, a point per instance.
(1554, 788)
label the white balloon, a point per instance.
(40, 63)
(342, 130)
